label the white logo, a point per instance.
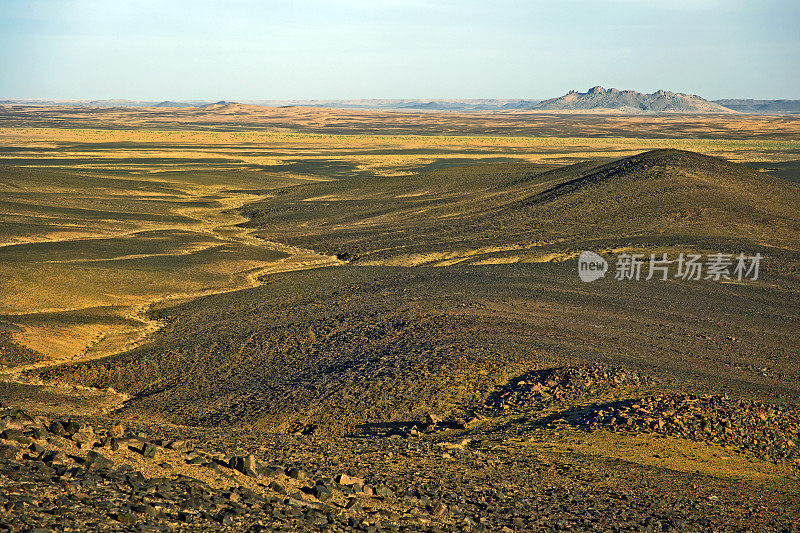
(591, 266)
(688, 266)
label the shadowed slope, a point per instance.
(665, 197)
(669, 192)
(337, 348)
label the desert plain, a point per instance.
(243, 318)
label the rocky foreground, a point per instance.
(770, 432)
(471, 474)
(68, 475)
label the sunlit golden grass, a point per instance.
(223, 170)
(57, 341)
(365, 152)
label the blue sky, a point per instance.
(249, 49)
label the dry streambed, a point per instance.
(117, 292)
(63, 474)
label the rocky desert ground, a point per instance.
(240, 318)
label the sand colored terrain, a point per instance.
(335, 121)
(85, 293)
(352, 290)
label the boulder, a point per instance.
(95, 460)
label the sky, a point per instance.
(344, 49)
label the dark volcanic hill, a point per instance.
(600, 99)
(466, 213)
(376, 342)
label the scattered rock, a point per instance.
(149, 450)
(432, 419)
(542, 388)
(297, 473)
(344, 479)
(96, 460)
(766, 430)
(322, 493)
(382, 491)
(8, 451)
(126, 519)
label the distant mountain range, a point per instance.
(600, 99)
(769, 107)
(449, 104)
(595, 100)
(454, 104)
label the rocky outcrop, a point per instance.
(600, 99)
(771, 432)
